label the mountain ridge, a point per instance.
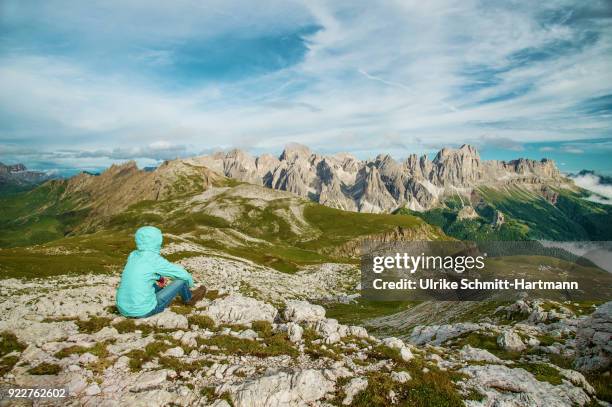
(382, 184)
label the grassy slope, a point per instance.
(37, 216)
(528, 216)
(268, 236)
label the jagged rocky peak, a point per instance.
(295, 151)
(341, 180)
(12, 168)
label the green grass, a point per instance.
(337, 226)
(92, 325)
(358, 312)
(39, 215)
(139, 357)
(542, 372)
(99, 253)
(99, 350)
(602, 385)
(45, 368)
(203, 321)
(7, 363)
(484, 341)
(9, 343)
(274, 345)
(433, 387)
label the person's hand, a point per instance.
(162, 282)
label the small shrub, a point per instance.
(45, 369)
(99, 350)
(278, 344)
(181, 309)
(263, 328)
(9, 343)
(129, 325)
(602, 386)
(139, 357)
(202, 321)
(112, 309)
(7, 363)
(93, 325)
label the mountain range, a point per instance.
(237, 202)
(383, 184)
(16, 177)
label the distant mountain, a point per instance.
(16, 178)
(383, 184)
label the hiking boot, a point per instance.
(196, 295)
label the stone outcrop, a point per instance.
(511, 341)
(280, 389)
(594, 340)
(237, 309)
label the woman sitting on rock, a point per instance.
(142, 291)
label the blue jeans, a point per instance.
(166, 295)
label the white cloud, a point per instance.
(388, 75)
(593, 183)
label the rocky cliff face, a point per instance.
(383, 184)
(19, 175)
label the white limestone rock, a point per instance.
(237, 309)
(150, 380)
(594, 340)
(504, 386)
(303, 311)
(511, 341)
(401, 377)
(166, 319)
(479, 355)
(294, 332)
(438, 334)
(280, 389)
(175, 352)
(354, 387)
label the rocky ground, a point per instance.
(247, 344)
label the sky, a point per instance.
(86, 84)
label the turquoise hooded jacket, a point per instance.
(136, 292)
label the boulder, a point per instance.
(166, 319)
(594, 340)
(358, 332)
(175, 352)
(517, 387)
(401, 377)
(295, 332)
(280, 389)
(478, 355)
(150, 380)
(303, 311)
(511, 341)
(237, 309)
